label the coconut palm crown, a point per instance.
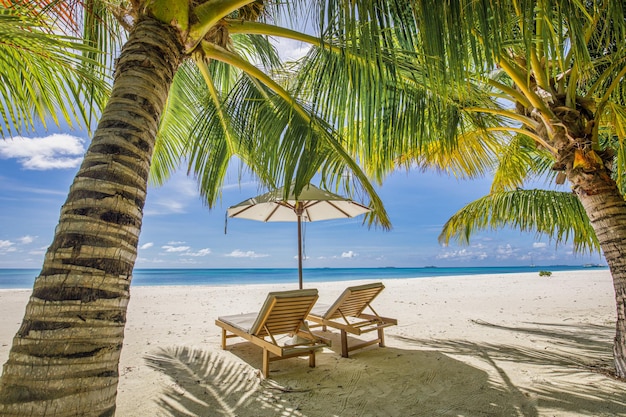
(510, 88)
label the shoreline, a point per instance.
(149, 277)
(496, 344)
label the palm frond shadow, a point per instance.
(379, 381)
(583, 344)
(564, 350)
(204, 383)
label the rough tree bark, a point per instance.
(589, 171)
(64, 358)
(606, 209)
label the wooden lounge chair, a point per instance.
(282, 313)
(346, 314)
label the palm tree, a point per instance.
(45, 76)
(484, 77)
(64, 357)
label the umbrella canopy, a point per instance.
(312, 204)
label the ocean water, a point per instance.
(24, 278)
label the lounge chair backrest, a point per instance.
(284, 312)
(354, 300)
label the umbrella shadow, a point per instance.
(375, 381)
(570, 354)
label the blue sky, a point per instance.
(179, 231)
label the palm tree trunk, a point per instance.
(606, 209)
(64, 358)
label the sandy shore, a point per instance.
(489, 345)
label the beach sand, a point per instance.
(483, 345)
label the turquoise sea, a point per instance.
(24, 278)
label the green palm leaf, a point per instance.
(45, 75)
(275, 142)
(555, 214)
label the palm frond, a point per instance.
(44, 74)
(104, 30)
(518, 161)
(558, 215)
(278, 144)
(473, 156)
(182, 109)
(194, 98)
(259, 48)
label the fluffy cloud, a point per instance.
(169, 248)
(164, 206)
(25, 240)
(540, 245)
(146, 245)
(174, 197)
(505, 251)
(463, 255)
(201, 252)
(5, 244)
(51, 152)
(290, 50)
(249, 254)
(349, 254)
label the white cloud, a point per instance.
(186, 186)
(25, 240)
(150, 261)
(349, 254)
(540, 245)
(463, 255)
(201, 252)
(249, 254)
(146, 245)
(289, 49)
(176, 242)
(51, 152)
(239, 186)
(505, 251)
(169, 248)
(188, 261)
(174, 197)
(5, 244)
(165, 206)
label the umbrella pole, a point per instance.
(300, 250)
(299, 210)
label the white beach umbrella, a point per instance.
(312, 204)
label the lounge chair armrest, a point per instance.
(386, 320)
(325, 340)
(317, 338)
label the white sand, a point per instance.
(489, 345)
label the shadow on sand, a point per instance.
(424, 381)
(574, 358)
(372, 382)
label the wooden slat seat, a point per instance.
(282, 313)
(347, 314)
